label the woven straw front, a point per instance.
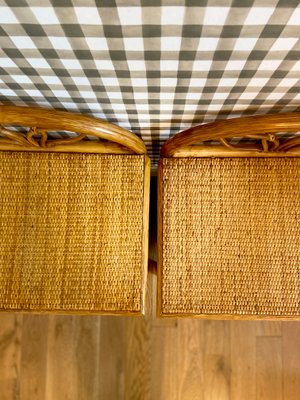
(71, 232)
(231, 236)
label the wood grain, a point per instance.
(270, 328)
(269, 372)
(137, 360)
(242, 359)
(10, 356)
(117, 358)
(190, 362)
(216, 366)
(87, 350)
(73, 357)
(291, 360)
(164, 380)
(113, 337)
(61, 357)
(34, 356)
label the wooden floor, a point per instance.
(111, 358)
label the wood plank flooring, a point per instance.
(111, 358)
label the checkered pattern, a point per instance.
(156, 67)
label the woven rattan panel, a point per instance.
(231, 236)
(71, 232)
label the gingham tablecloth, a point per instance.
(154, 67)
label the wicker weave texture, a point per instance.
(71, 232)
(231, 236)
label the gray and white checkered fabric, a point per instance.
(155, 66)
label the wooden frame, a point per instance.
(263, 128)
(109, 139)
(191, 143)
(112, 138)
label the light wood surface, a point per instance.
(291, 361)
(124, 358)
(269, 368)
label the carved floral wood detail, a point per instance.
(250, 136)
(35, 137)
(268, 142)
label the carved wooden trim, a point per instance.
(262, 129)
(35, 137)
(111, 138)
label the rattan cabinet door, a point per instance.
(229, 220)
(73, 214)
(71, 232)
(231, 236)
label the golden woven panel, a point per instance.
(71, 232)
(231, 236)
